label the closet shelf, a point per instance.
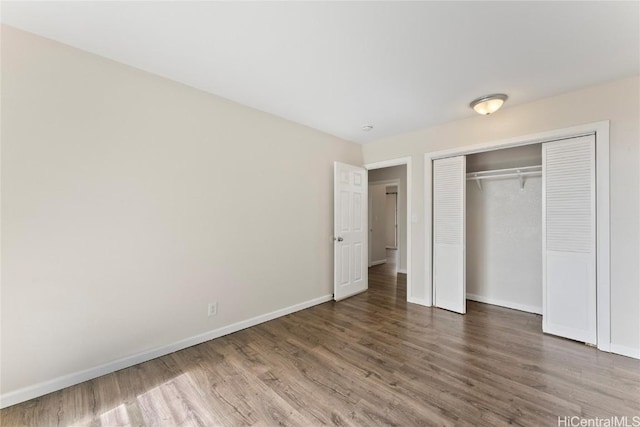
(519, 173)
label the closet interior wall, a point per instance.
(504, 231)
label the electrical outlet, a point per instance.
(213, 309)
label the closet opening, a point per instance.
(505, 216)
(504, 228)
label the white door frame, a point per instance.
(396, 224)
(399, 162)
(601, 130)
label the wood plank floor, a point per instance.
(370, 360)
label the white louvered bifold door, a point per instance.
(569, 238)
(449, 192)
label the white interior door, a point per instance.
(569, 239)
(449, 193)
(351, 229)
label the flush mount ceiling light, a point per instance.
(488, 104)
(367, 128)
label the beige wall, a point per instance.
(130, 201)
(616, 101)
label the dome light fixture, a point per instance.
(367, 128)
(488, 104)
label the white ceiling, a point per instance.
(335, 66)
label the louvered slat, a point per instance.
(569, 202)
(448, 202)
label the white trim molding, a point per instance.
(382, 261)
(601, 131)
(625, 351)
(507, 304)
(36, 390)
(418, 301)
(399, 162)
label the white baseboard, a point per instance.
(625, 351)
(418, 301)
(36, 390)
(508, 304)
(402, 270)
(382, 261)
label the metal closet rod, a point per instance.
(500, 173)
(519, 173)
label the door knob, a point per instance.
(339, 239)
